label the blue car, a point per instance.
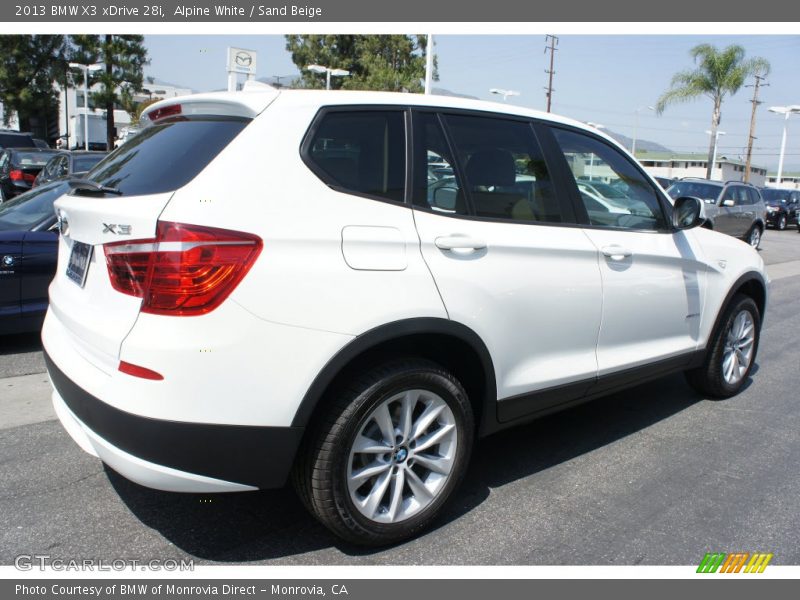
(28, 256)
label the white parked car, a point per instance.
(285, 301)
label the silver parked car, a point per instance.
(731, 207)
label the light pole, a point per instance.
(786, 111)
(85, 69)
(716, 142)
(504, 93)
(328, 73)
(429, 64)
(636, 128)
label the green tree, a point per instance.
(30, 65)
(376, 62)
(718, 73)
(123, 58)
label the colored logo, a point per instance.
(743, 562)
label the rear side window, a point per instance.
(167, 155)
(504, 169)
(362, 152)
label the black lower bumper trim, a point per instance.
(255, 456)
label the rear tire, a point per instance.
(391, 449)
(732, 351)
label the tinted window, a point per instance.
(775, 196)
(32, 208)
(32, 159)
(705, 191)
(504, 170)
(435, 183)
(754, 196)
(591, 160)
(84, 163)
(15, 141)
(167, 155)
(362, 152)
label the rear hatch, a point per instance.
(121, 201)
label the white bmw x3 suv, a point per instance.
(345, 289)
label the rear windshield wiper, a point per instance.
(87, 185)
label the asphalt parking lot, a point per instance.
(655, 475)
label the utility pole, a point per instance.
(552, 49)
(752, 137)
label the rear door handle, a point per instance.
(459, 242)
(615, 252)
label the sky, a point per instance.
(604, 79)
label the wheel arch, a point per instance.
(751, 284)
(452, 345)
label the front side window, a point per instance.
(503, 169)
(362, 152)
(596, 166)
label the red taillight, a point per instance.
(185, 270)
(164, 112)
(137, 371)
(17, 175)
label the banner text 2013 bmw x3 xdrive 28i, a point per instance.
(345, 289)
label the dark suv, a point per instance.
(730, 207)
(782, 207)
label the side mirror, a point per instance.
(686, 212)
(728, 202)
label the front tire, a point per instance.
(754, 237)
(782, 223)
(381, 463)
(732, 352)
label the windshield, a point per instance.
(707, 192)
(167, 155)
(775, 196)
(31, 209)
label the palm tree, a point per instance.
(718, 74)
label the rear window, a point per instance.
(16, 141)
(32, 159)
(167, 155)
(84, 163)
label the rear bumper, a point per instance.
(171, 455)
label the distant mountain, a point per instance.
(444, 92)
(641, 145)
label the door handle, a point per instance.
(459, 242)
(615, 252)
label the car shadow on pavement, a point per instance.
(19, 343)
(260, 526)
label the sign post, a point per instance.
(240, 60)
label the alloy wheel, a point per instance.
(738, 351)
(402, 456)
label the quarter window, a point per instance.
(362, 152)
(613, 191)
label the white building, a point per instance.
(676, 166)
(789, 181)
(72, 111)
